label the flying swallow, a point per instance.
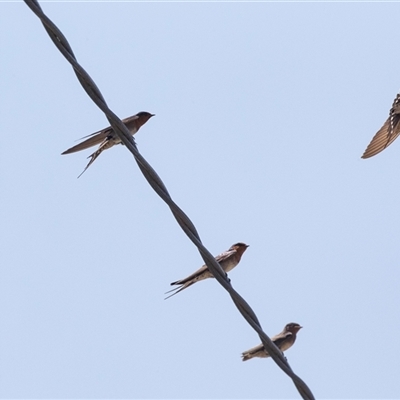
(283, 341)
(388, 133)
(107, 138)
(227, 260)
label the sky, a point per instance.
(263, 111)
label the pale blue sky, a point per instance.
(263, 111)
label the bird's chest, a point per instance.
(287, 343)
(228, 265)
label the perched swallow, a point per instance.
(283, 341)
(388, 133)
(227, 260)
(107, 138)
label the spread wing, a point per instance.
(383, 138)
(387, 134)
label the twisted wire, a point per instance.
(156, 183)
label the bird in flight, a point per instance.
(227, 260)
(107, 138)
(283, 341)
(388, 133)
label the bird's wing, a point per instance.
(223, 256)
(254, 349)
(94, 139)
(282, 338)
(189, 278)
(384, 137)
(247, 355)
(130, 122)
(388, 133)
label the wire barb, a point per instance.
(156, 183)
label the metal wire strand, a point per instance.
(156, 183)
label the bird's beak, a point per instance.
(300, 327)
(247, 245)
(153, 115)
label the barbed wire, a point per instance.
(156, 183)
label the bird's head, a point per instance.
(143, 117)
(292, 327)
(239, 247)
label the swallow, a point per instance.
(227, 260)
(283, 341)
(388, 133)
(107, 138)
